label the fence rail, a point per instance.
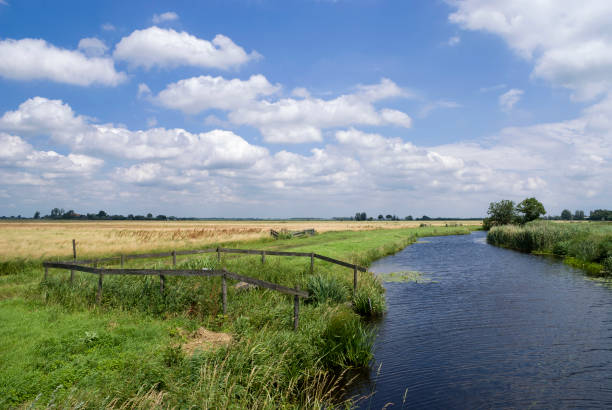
(78, 266)
(276, 234)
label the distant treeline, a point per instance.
(59, 213)
(578, 215)
(362, 216)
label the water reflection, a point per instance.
(494, 328)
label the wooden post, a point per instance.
(263, 256)
(296, 311)
(74, 259)
(173, 258)
(121, 261)
(224, 294)
(218, 255)
(354, 280)
(46, 273)
(99, 295)
(162, 283)
(311, 262)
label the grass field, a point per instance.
(586, 245)
(59, 349)
(47, 239)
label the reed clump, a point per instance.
(587, 245)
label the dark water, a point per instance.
(499, 329)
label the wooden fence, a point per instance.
(275, 234)
(78, 265)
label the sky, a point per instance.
(304, 108)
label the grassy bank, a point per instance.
(585, 245)
(57, 348)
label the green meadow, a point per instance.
(58, 348)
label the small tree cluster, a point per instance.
(505, 212)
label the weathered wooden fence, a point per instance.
(275, 234)
(78, 265)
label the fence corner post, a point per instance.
(296, 311)
(224, 292)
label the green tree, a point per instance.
(579, 215)
(408, 218)
(500, 213)
(380, 217)
(566, 215)
(531, 209)
(37, 215)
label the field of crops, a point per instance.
(46, 239)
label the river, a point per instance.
(494, 329)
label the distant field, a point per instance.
(46, 239)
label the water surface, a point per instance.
(495, 329)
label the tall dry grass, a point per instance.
(48, 239)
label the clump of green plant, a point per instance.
(346, 341)
(368, 301)
(16, 266)
(607, 265)
(324, 289)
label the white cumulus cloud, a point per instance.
(163, 17)
(508, 100)
(34, 59)
(160, 47)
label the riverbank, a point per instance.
(58, 348)
(585, 245)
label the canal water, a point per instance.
(494, 328)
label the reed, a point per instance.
(586, 245)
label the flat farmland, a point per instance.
(47, 239)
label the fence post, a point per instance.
(121, 261)
(218, 255)
(74, 259)
(296, 310)
(173, 258)
(354, 280)
(224, 293)
(46, 273)
(263, 256)
(99, 295)
(312, 262)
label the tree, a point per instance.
(425, 218)
(531, 209)
(361, 216)
(102, 214)
(579, 215)
(389, 217)
(380, 217)
(37, 215)
(566, 215)
(149, 215)
(408, 218)
(499, 213)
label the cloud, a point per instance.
(143, 91)
(508, 99)
(290, 120)
(429, 107)
(92, 47)
(167, 48)
(569, 43)
(167, 16)
(42, 116)
(496, 87)
(32, 59)
(197, 94)
(107, 27)
(453, 41)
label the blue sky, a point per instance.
(304, 108)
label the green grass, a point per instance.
(584, 245)
(58, 348)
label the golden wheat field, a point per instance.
(47, 239)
